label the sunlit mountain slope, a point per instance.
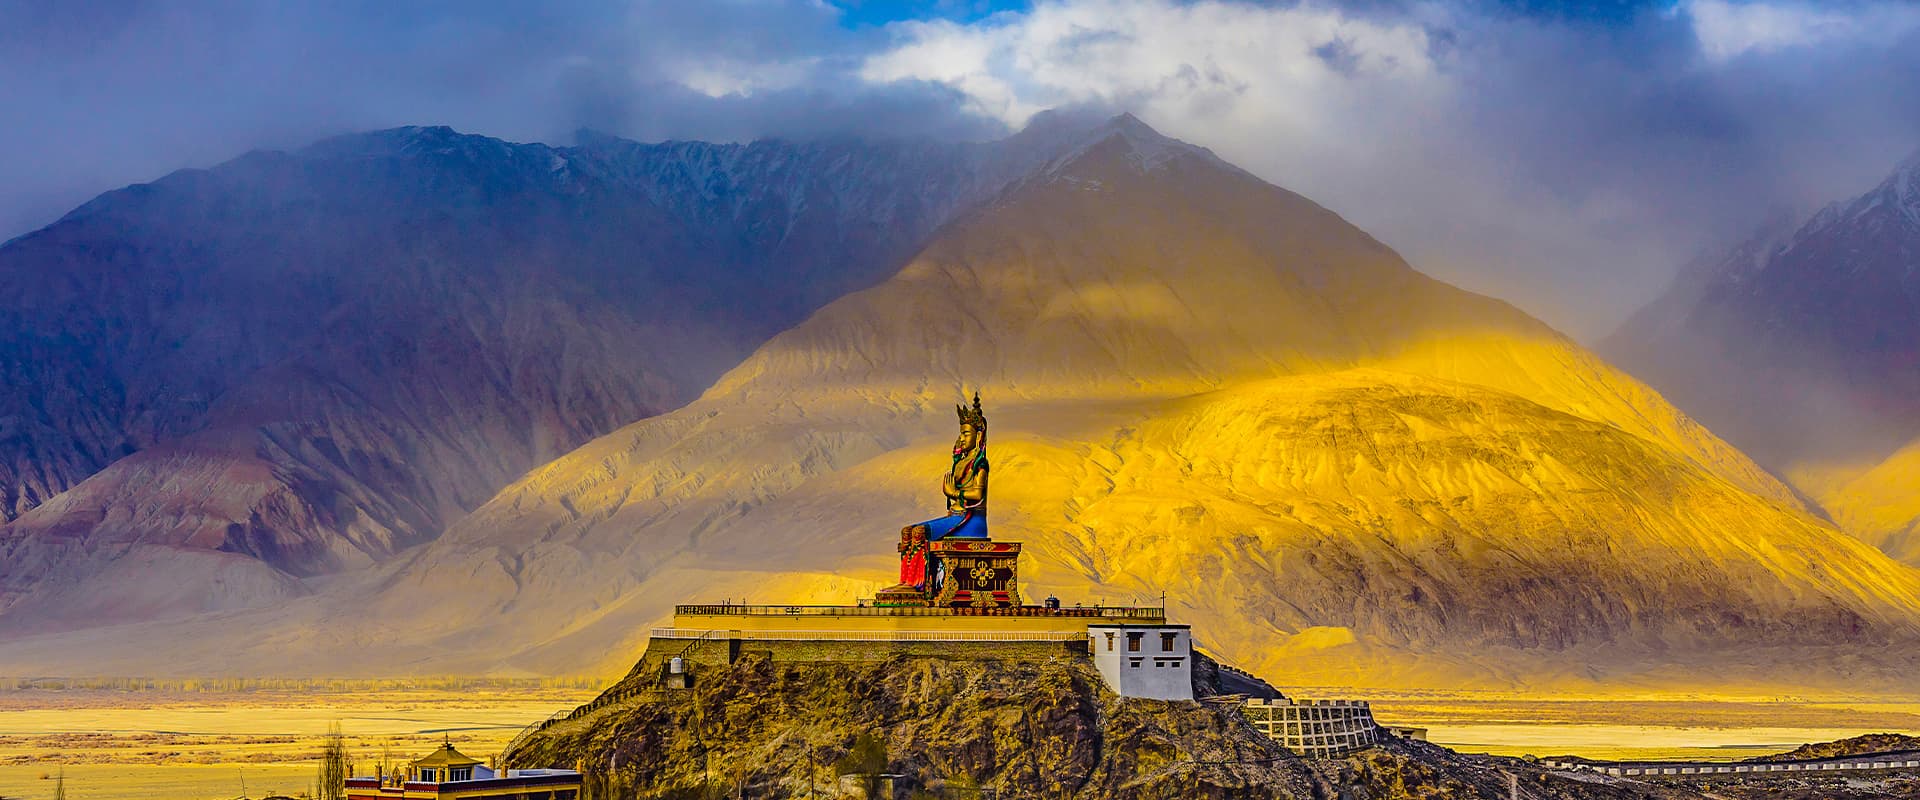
(1197, 383)
(1880, 503)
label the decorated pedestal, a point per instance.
(950, 561)
(975, 573)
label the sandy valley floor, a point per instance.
(195, 746)
(147, 745)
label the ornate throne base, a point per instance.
(975, 573)
(963, 573)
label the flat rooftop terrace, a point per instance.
(896, 622)
(1077, 612)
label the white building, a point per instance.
(1144, 660)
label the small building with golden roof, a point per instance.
(448, 774)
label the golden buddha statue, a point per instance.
(965, 483)
(965, 487)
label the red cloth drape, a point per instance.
(913, 567)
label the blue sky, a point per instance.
(870, 13)
(1566, 156)
(867, 13)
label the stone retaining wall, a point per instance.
(1315, 728)
(716, 651)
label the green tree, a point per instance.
(333, 765)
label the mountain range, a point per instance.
(296, 364)
(1802, 346)
(415, 401)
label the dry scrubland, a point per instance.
(183, 744)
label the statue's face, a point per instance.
(969, 438)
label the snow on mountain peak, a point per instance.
(1145, 148)
(1893, 204)
(1898, 194)
(1905, 186)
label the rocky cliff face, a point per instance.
(963, 728)
(951, 728)
(1027, 729)
(313, 360)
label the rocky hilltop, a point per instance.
(950, 728)
(1035, 729)
(1867, 744)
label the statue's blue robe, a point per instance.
(970, 525)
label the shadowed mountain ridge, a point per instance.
(1802, 346)
(297, 363)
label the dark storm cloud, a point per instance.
(1563, 155)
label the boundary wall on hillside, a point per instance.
(1696, 769)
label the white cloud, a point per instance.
(1561, 163)
(1311, 98)
(725, 78)
(1728, 30)
(1152, 52)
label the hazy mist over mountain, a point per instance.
(1802, 345)
(1563, 159)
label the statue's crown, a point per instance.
(973, 415)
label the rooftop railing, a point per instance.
(879, 636)
(1300, 703)
(1091, 612)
